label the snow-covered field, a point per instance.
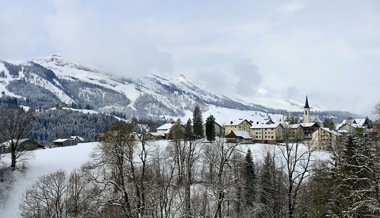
(44, 162)
(68, 158)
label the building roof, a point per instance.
(265, 126)
(294, 126)
(236, 122)
(61, 140)
(355, 123)
(331, 131)
(155, 134)
(263, 120)
(308, 124)
(242, 134)
(166, 126)
(77, 137)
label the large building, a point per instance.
(267, 133)
(241, 124)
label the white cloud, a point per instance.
(291, 48)
(291, 7)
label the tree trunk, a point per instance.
(13, 156)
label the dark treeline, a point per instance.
(49, 125)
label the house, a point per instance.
(62, 142)
(164, 130)
(65, 142)
(294, 132)
(267, 133)
(26, 144)
(76, 139)
(323, 138)
(308, 129)
(218, 129)
(238, 136)
(359, 126)
(241, 124)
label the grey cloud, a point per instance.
(293, 92)
(246, 77)
(214, 80)
(83, 35)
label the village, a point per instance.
(309, 131)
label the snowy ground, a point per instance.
(44, 162)
(68, 158)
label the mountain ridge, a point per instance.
(46, 82)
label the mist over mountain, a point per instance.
(54, 81)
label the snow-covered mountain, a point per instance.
(46, 82)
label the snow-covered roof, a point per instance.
(155, 134)
(242, 133)
(265, 126)
(331, 131)
(360, 121)
(294, 126)
(165, 126)
(74, 137)
(356, 123)
(339, 126)
(308, 124)
(236, 122)
(343, 131)
(61, 140)
(262, 120)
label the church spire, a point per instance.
(306, 103)
(306, 109)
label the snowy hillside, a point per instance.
(46, 82)
(44, 162)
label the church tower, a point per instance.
(306, 114)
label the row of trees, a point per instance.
(133, 177)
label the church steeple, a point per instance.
(306, 109)
(306, 103)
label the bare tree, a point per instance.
(191, 151)
(376, 109)
(122, 167)
(165, 193)
(219, 157)
(115, 154)
(297, 166)
(59, 195)
(14, 125)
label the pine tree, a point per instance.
(267, 183)
(249, 179)
(355, 179)
(197, 122)
(189, 134)
(210, 128)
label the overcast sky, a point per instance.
(326, 49)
